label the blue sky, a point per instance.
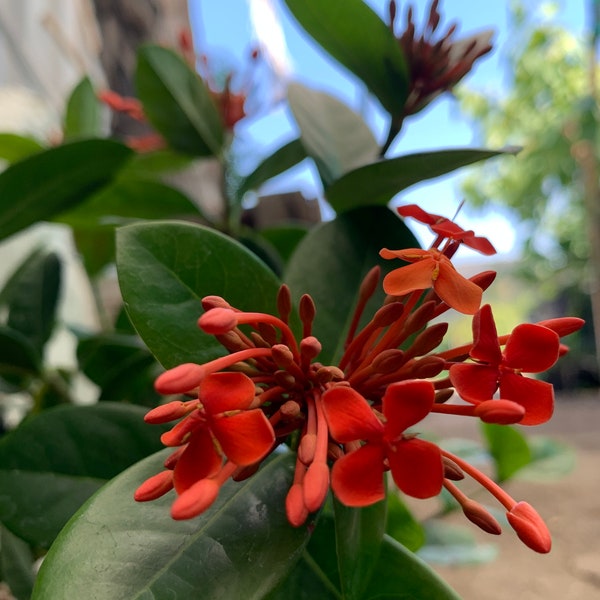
(226, 33)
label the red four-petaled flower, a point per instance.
(530, 348)
(415, 464)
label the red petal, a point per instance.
(532, 348)
(245, 437)
(455, 290)
(485, 337)
(406, 403)
(416, 467)
(357, 478)
(530, 527)
(197, 461)
(416, 212)
(407, 254)
(474, 382)
(417, 276)
(481, 244)
(195, 500)
(220, 392)
(537, 397)
(349, 416)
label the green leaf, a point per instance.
(16, 564)
(156, 164)
(401, 524)
(330, 263)
(18, 356)
(31, 295)
(508, 448)
(166, 268)
(402, 575)
(241, 547)
(281, 160)
(50, 182)
(284, 239)
(379, 182)
(177, 102)
(359, 533)
(15, 147)
(57, 459)
(120, 365)
(333, 135)
(128, 199)
(355, 36)
(82, 118)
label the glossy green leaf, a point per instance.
(331, 261)
(153, 165)
(120, 365)
(284, 239)
(333, 135)
(166, 268)
(130, 199)
(351, 32)
(16, 565)
(31, 296)
(15, 147)
(95, 247)
(177, 102)
(50, 182)
(508, 448)
(359, 533)
(57, 459)
(18, 356)
(281, 160)
(241, 547)
(402, 525)
(379, 182)
(82, 118)
(402, 575)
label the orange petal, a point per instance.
(198, 461)
(357, 477)
(474, 382)
(245, 437)
(416, 467)
(417, 276)
(486, 347)
(536, 397)
(532, 348)
(220, 392)
(457, 291)
(406, 403)
(349, 416)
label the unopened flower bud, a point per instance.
(388, 314)
(327, 374)
(295, 510)
(209, 302)
(428, 339)
(530, 527)
(169, 411)
(307, 447)
(388, 361)
(284, 303)
(481, 517)
(290, 409)
(563, 325)
(316, 485)
(154, 487)
(443, 395)
(282, 356)
(310, 347)
(500, 412)
(195, 500)
(218, 321)
(180, 379)
(451, 470)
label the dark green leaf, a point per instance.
(128, 199)
(156, 164)
(54, 461)
(15, 147)
(96, 247)
(402, 575)
(241, 547)
(177, 102)
(166, 268)
(281, 160)
(50, 182)
(16, 564)
(356, 37)
(31, 295)
(82, 118)
(285, 239)
(333, 135)
(331, 262)
(379, 182)
(401, 525)
(120, 365)
(358, 533)
(508, 448)
(18, 356)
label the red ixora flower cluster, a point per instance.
(352, 422)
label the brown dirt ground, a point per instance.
(571, 508)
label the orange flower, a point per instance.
(431, 268)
